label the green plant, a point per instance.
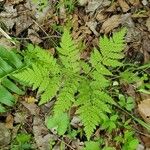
(127, 103)
(74, 82)
(110, 123)
(128, 140)
(10, 63)
(59, 122)
(41, 4)
(91, 145)
(22, 142)
(68, 4)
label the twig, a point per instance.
(44, 32)
(7, 36)
(66, 144)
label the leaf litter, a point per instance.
(90, 19)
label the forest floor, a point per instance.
(25, 21)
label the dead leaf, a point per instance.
(34, 37)
(148, 23)
(9, 121)
(125, 7)
(134, 2)
(5, 136)
(144, 110)
(101, 17)
(95, 4)
(144, 2)
(33, 108)
(82, 2)
(111, 23)
(41, 134)
(92, 26)
(30, 99)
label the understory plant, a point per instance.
(71, 82)
(10, 62)
(75, 82)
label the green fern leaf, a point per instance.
(90, 118)
(112, 62)
(10, 62)
(114, 44)
(66, 97)
(69, 53)
(50, 90)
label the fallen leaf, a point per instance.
(82, 2)
(95, 4)
(41, 134)
(101, 17)
(33, 108)
(30, 100)
(148, 23)
(9, 121)
(111, 23)
(144, 110)
(5, 136)
(134, 2)
(92, 26)
(125, 7)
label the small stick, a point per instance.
(7, 36)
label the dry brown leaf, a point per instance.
(41, 134)
(5, 136)
(111, 23)
(134, 2)
(101, 17)
(125, 7)
(9, 121)
(144, 110)
(33, 108)
(92, 26)
(148, 23)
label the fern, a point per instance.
(41, 74)
(10, 62)
(93, 101)
(74, 82)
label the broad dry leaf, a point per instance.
(111, 23)
(134, 2)
(9, 121)
(125, 7)
(101, 17)
(144, 110)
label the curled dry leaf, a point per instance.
(144, 110)
(111, 23)
(125, 7)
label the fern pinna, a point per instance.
(10, 62)
(75, 82)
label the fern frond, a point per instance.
(90, 118)
(37, 55)
(10, 62)
(51, 90)
(114, 44)
(66, 96)
(32, 76)
(69, 52)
